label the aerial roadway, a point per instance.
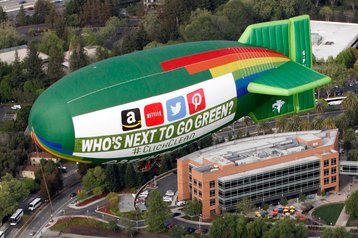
(14, 5)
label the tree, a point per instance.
(11, 192)
(347, 58)
(225, 226)
(352, 205)
(130, 176)
(3, 15)
(350, 102)
(342, 122)
(33, 64)
(31, 185)
(317, 123)
(176, 232)
(286, 228)
(41, 10)
(21, 17)
(257, 228)
(353, 155)
(95, 177)
(78, 58)
(281, 124)
(55, 68)
(337, 232)
(157, 212)
(205, 26)
(329, 123)
(49, 177)
(244, 206)
(264, 128)
(326, 12)
(113, 183)
(9, 37)
(321, 106)
(113, 200)
(193, 208)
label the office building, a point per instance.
(265, 169)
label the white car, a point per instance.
(16, 106)
(167, 199)
(180, 203)
(169, 193)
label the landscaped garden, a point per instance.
(328, 214)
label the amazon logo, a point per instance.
(131, 119)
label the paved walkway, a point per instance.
(343, 218)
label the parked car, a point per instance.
(16, 106)
(167, 199)
(181, 203)
(175, 214)
(73, 194)
(169, 193)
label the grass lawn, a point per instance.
(329, 213)
(64, 224)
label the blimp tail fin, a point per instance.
(290, 37)
(276, 106)
(285, 90)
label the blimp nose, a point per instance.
(51, 123)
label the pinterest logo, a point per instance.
(196, 101)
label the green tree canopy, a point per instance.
(347, 58)
(193, 208)
(9, 36)
(95, 177)
(352, 205)
(287, 228)
(244, 206)
(157, 212)
(257, 228)
(337, 232)
(11, 192)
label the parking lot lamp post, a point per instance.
(319, 221)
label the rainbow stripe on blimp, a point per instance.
(245, 64)
(54, 149)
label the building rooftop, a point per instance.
(8, 55)
(42, 154)
(331, 38)
(259, 148)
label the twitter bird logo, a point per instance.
(176, 108)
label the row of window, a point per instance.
(269, 190)
(273, 182)
(333, 171)
(308, 167)
(266, 196)
(333, 180)
(333, 162)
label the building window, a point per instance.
(200, 194)
(212, 202)
(333, 170)
(326, 172)
(326, 163)
(200, 185)
(333, 161)
(212, 193)
(334, 179)
(212, 184)
(213, 212)
(190, 177)
(195, 182)
(326, 181)
(195, 191)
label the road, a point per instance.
(14, 5)
(71, 184)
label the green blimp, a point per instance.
(145, 103)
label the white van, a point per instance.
(2, 234)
